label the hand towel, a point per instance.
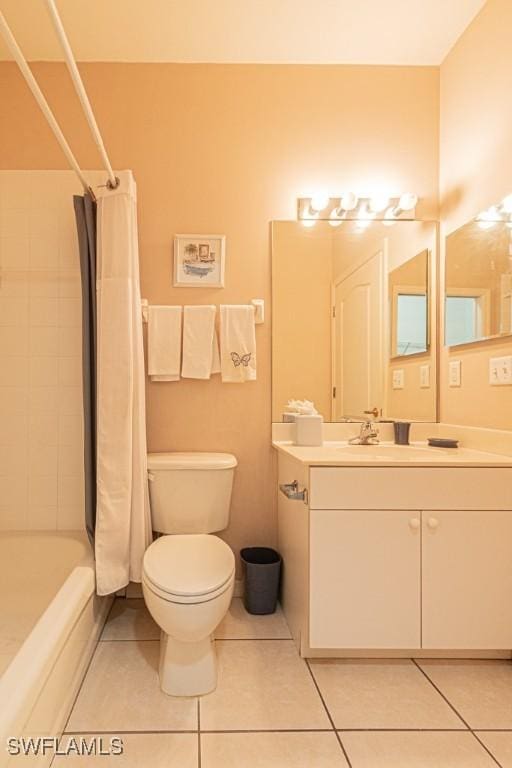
(237, 343)
(164, 343)
(199, 340)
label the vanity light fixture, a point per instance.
(490, 217)
(506, 204)
(349, 207)
(319, 202)
(335, 219)
(378, 203)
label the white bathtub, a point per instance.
(50, 620)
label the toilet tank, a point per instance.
(190, 492)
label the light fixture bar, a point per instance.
(350, 207)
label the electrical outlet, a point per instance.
(454, 373)
(398, 378)
(425, 376)
(500, 371)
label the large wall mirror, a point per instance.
(354, 319)
(478, 282)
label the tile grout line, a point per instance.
(217, 639)
(286, 730)
(486, 749)
(198, 732)
(338, 737)
(469, 728)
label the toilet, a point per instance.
(188, 574)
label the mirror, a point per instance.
(408, 300)
(354, 319)
(478, 283)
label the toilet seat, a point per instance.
(190, 568)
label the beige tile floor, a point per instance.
(272, 709)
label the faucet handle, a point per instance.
(374, 412)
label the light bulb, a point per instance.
(334, 219)
(348, 201)
(309, 222)
(377, 203)
(319, 201)
(407, 201)
(364, 217)
(487, 219)
(506, 204)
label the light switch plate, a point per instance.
(500, 371)
(425, 376)
(454, 373)
(398, 378)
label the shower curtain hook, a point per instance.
(113, 185)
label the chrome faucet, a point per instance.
(368, 434)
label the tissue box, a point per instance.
(309, 429)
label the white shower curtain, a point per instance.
(123, 528)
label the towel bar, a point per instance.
(258, 304)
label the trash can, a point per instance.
(262, 569)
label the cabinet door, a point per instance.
(467, 580)
(364, 579)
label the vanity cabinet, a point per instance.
(467, 579)
(371, 561)
(398, 558)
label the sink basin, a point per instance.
(387, 451)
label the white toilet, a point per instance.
(188, 575)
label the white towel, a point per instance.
(164, 343)
(199, 342)
(237, 343)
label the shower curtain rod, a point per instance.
(17, 53)
(113, 181)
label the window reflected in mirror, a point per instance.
(478, 283)
(408, 297)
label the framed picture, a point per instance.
(199, 261)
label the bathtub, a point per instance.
(50, 621)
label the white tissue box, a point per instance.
(309, 429)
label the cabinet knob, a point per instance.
(414, 523)
(433, 523)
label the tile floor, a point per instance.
(273, 709)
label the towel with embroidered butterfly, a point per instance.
(237, 343)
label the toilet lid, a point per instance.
(194, 564)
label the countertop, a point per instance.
(386, 454)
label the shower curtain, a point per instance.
(122, 528)
(85, 213)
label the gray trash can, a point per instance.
(262, 570)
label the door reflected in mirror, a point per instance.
(353, 319)
(478, 283)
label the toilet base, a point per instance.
(187, 669)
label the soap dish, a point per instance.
(443, 442)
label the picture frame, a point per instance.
(199, 261)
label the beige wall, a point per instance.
(475, 172)
(227, 149)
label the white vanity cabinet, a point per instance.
(467, 579)
(364, 579)
(397, 558)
